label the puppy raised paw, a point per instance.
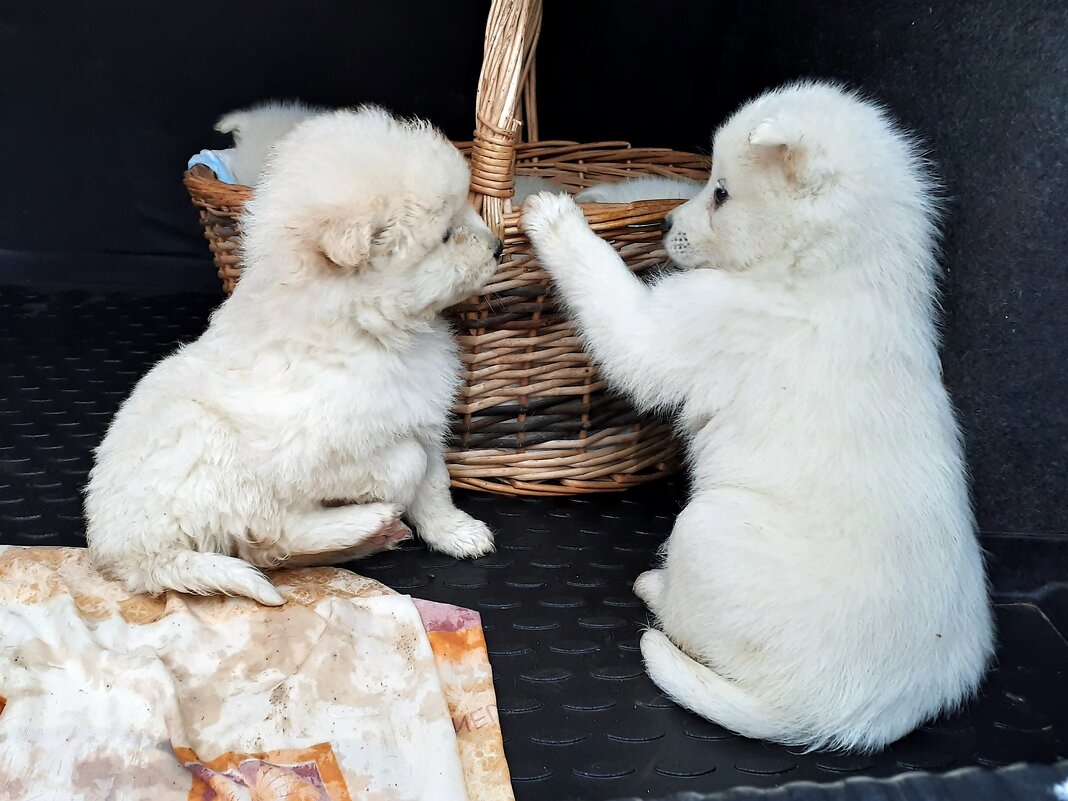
(546, 213)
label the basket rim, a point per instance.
(532, 158)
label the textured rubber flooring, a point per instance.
(1016, 783)
(580, 718)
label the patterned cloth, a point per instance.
(348, 692)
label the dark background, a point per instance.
(102, 102)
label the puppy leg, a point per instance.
(328, 535)
(613, 309)
(649, 587)
(439, 523)
(397, 473)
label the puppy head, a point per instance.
(370, 210)
(798, 174)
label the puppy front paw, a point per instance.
(459, 535)
(546, 213)
(389, 535)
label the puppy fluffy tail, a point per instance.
(702, 690)
(199, 574)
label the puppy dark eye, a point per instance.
(719, 196)
(447, 237)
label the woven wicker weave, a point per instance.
(534, 416)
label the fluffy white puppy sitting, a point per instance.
(312, 412)
(824, 585)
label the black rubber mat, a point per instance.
(580, 718)
(1016, 783)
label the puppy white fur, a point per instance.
(312, 412)
(647, 187)
(824, 585)
(256, 130)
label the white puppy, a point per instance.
(257, 129)
(311, 414)
(824, 586)
(646, 187)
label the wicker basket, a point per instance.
(534, 416)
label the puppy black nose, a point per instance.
(665, 225)
(498, 249)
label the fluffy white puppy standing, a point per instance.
(824, 585)
(312, 412)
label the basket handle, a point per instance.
(506, 80)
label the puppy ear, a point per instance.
(783, 141)
(775, 133)
(345, 243)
